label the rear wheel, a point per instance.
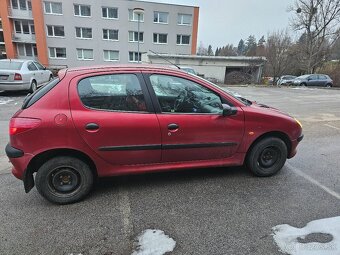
(267, 157)
(64, 180)
(33, 86)
(328, 85)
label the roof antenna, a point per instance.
(164, 59)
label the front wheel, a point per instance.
(267, 157)
(64, 180)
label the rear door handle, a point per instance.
(92, 126)
(173, 126)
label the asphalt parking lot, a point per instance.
(206, 211)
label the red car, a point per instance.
(114, 120)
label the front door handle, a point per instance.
(92, 126)
(173, 126)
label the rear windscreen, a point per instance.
(32, 98)
(10, 65)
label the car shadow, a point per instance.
(107, 184)
(13, 93)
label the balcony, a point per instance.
(23, 38)
(20, 14)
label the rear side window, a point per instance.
(10, 65)
(33, 98)
(114, 92)
(32, 67)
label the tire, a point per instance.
(51, 78)
(33, 86)
(64, 180)
(303, 84)
(328, 85)
(267, 157)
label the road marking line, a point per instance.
(327, 125)
(125, 209)
(315, 182)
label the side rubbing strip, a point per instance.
(131, 148)
(198, 145)
(165, 147)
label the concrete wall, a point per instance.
(211, 66)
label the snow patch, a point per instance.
(294, 241)
(5, 101)
(153, 242)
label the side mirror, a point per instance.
(228, 110)
(44, 67)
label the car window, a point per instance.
(178, 95)
(322, 77)
(313, 77)
(10, 65)
(40, 66)
(116, 92)
(32, 67)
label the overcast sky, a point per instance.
(227, 21)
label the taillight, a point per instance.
(19, 125)
(17, 77)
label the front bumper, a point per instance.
(294, 144)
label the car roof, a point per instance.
(15, 60)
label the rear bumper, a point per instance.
(19, 160)
(14, 86)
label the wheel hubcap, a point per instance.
(64, 180)
(269, 157)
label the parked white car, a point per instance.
(18, 74)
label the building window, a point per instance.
(133, 36)
(57, 52)
(21, 4)
(110, 34)
(184, 19)
(160, 17)
(24, 27)
(82, 10)
(183, 39)
(134, 17)
(111, 55)
(84, 32)
(133, 56)
(109, 13)
(53, 8)
(27, 50)
(85, 54)
(160, 38)
(29, 5)
(55, 31)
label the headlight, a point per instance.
(298, 122)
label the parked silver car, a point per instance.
(286, 80)
(313, 80)
(17, 74)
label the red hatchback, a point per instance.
(114, 120)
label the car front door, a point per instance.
(192, 125)
(114, 116)
(34, 73)
(313, 80)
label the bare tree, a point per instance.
(278, 52)
(202, 50)
(319, 22)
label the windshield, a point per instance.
(10, 65)
(302, 77)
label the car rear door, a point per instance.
(114, 116)
(33, 72)
(313, 80)
(191, 121)
(45, 75)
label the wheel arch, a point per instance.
(38, 160)
(278, 134)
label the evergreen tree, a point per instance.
(251, 46)
(210, 51)
(241, 48)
